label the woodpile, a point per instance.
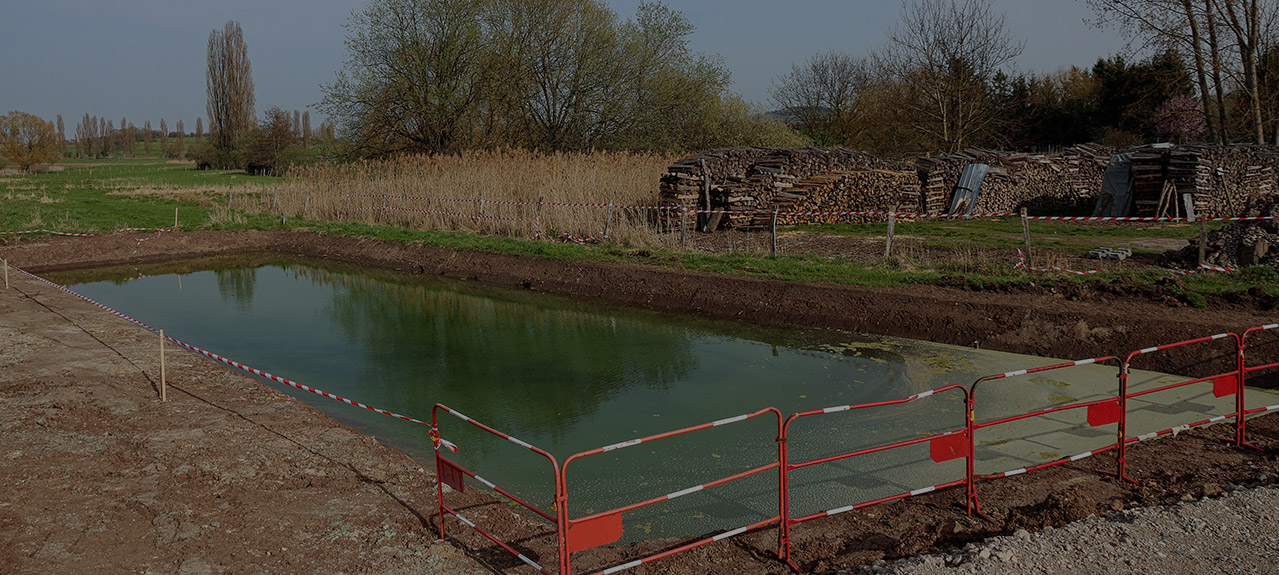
(750, 183)
(1242, 243)
(1066, 182)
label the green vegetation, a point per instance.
(105, 195)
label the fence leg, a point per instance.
(1025, 230)
(888, 238)
(1203, 240)
(164, 386)
(1241, 422)
(772, 228)
(1123, 425)
(683, 229)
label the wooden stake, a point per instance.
(1025, 230)
(888, 238)
(175, 217)
(683, 229)
(608, 220)
(164, 388)
(1202, 240)
(772, 228)
(6, 273)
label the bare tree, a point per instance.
(229, 86)
(104, 138)
(820, 96)
(146, 137)
(1244, 19)
(164, 138)
(944, 53)
(306, 128)
(199, 130)
(62, 137)
(180, 147)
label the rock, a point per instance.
(1211, 490)
(1022, 534)
(1117, 505)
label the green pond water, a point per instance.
(569, 376)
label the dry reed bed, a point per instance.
(507, 193)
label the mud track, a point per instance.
(200, 483)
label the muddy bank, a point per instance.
(231, 476)
(1075, 323)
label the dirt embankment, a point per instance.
(231, 476)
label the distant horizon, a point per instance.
(146, 60)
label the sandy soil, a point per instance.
(231, 476)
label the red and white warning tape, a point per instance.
(79, 235)
(442, 213)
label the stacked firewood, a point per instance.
(747, 184)
(1242, 243)
(1068, 181)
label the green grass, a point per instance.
(99, 195)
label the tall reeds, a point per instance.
(513, 193)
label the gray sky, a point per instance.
(144, 59)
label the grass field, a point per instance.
(102, 195)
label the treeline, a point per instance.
(941, 83)
(440, 76)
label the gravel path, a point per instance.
(1237, 532)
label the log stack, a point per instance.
(749, 183)
(1067, 181)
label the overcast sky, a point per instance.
(145, 59)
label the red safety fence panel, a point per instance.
(454, 475)
(1268, 352)
(606, 526)
(1099, 412)
(942, 447)
(1225, 383)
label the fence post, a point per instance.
(608, 220)
(164, 395)
(6, 273)
(275, 197)
(772, 229)
(683, 228)
(888, 238)
(1203, 240)
(229, 191)
(175, 217)
(1025, 231)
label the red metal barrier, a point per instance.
(606, 526)
(1100, 412)
(1241, 438)
(453, 475)
(942, 447)
(1223, 384)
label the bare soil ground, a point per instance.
(231, 476)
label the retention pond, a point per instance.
(569, 376)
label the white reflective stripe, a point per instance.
(1080, 456)
(1218, 418)
(622, 567)
(727, 534)
(1086, 361)
(1270, 326)
(684, 492)
(519, 443)
(622, 444)
(531, 563)
(484, 481)
(838, 510)
(836, 409)
(1015, 373)
(458, 414)
(1149, 349)
(464, 520)
(925, 393)
(1014, 472)
(923, 490)
(1220, 335)
(729, 420)
(1150, 435)
(1272, 407)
